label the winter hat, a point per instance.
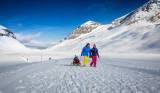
(94, 45)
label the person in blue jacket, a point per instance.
(86, 53)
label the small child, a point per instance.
(76, 61)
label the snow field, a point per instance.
(110, 76)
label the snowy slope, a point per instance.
(13, 51)
(10, 45)
(136, 37)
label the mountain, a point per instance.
(83, 29)
(9, 44)
(135, 33)
(6, 32)
(149, 12)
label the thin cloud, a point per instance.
(32, 40)
(27, 38)
(39, 44)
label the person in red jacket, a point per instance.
(76, 61)
(94, 54)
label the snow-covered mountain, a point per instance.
(135, 32)
(83, 29)
(6, 32)
(9, 44)
(149, 12)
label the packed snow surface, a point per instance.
(58, 76)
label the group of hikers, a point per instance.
(87, 53)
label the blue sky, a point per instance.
(54, 19)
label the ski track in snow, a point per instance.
(110, 76)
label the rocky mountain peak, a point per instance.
(149, 12)
(83, 29)
(6, 32)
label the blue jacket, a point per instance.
(85, 51)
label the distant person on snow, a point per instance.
(94, 54)
(85, 53)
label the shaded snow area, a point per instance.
(58, 76)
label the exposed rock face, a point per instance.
(83, 29)
(6, 32)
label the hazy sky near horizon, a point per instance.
(52, 20)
